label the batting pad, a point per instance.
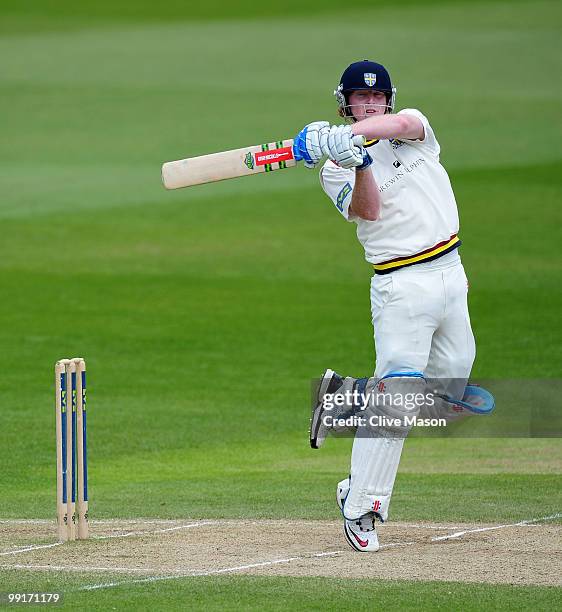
(378, 446)
(374, 463)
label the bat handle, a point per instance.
(359, 140)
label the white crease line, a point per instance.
(136, 521)
(117, 535)
(526, 523)
(93, 521)
(224, 570)
(81, 568)
(167, 529)
(396, 544)
(28, 548)
(25, 521)
(416, 526)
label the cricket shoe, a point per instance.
(361, 533)
(330, 383)
(342, 414)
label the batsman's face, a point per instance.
(366, 103)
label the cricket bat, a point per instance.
(229, 164)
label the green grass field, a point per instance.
(205, 313)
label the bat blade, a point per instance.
(228, 164)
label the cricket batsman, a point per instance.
(392, 185)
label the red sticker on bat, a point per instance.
(273, 156)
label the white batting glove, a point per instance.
(340, 147)
(308, 143)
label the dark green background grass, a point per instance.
(204, 313)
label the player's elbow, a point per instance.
(403, 125)
(409, 127)
(369, 215)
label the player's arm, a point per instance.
(366, 199)
(340, 147)
(383, 127)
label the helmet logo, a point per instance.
(370, 78)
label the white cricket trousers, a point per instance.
(421, 324)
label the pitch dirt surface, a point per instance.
(120, 552)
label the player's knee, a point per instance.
(394, 402)
(394, 360)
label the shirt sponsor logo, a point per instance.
(346, 190)
(405, 170)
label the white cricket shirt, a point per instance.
(418, 208)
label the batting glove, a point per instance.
(307, 145)
(367, 161)
(341, 148)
